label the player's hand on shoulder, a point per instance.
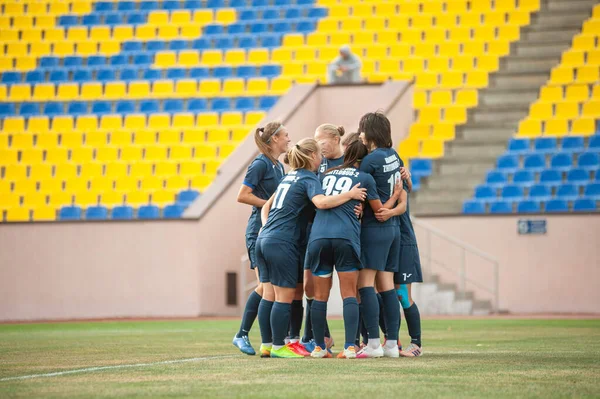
(358, 193)
(384, 214)
(404, 173)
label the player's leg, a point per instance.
(413, 321)
(309, 293)
(348, 284)
(391, 307)
(241, 339)
(370, 307)
(264, 319)
(322, 286)
(280, 319)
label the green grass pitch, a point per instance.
(463, 358)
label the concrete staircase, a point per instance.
(501, 106)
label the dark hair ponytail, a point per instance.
(354, 153)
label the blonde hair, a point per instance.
(262, 138)
(300, 155)
(332, 130)
(351, 138)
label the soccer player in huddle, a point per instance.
(278, 245)
(262, 178)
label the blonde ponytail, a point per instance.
(332, 130)
(262, 138)
(300, 155)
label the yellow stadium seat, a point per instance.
(99, 33)
(444, 131)
(44, 92)
(362, 38)
(400, 50)
(158, 18)
(35, 200)
(495, 18)
(588, 74)
(69, 138)
(145, 136)
(145, 32)
(281, 55)
(395, 22)
(111, 199)
(16, 49)
(131, 154)
(225, 15)
(240, 133)
(207, 119)
(584, 42)
(386, 37)
(109, 47)
(231, 118)
(556, 127)
(57, 155)
(485, 33)
(111, 122)
(91, 91)
(419, 131)
(22, 22)
(163, 88)
(467, 98)
(386, 9)
(305, 54)
(168, 32)
(121, 137)
(87, 48)
(377, 52)
(489, 63)
(509, 32)
(362, 10)
(25, 63)
(187, 58)
(429, 114)
(225, 149)
(165, 169)
(45, 21)
(452, 80)
(45, 213)
(211, 166)
(123, 32)
(584, 126)
(82, 154)
(235, 57)
(191, 136)
(432, 148)
(215, 135)
(15, 172)
(212, 57)
(32, 155)
(34, 37)
(409, 148)
(499, 47)
(86, 199)
(81, 7)
(7, 35)
(20, 92)
(530, 128)
(64, 170)
(107, 154)
(152, 183)
(573, 58)
(14, 124)
(292, 69)
(40, 49)
(529, 5)
(139, 89)
(37, 8)
(463, 63)
(63, 124)
(317, 39)
(87, 123)
(162, 197)
(68, 91)
(155, 153)
(135, 122)
(18, 214)
(551, 93)
(8, 157)
(60, 198)
(519, 17)
(203, 17)
(210, 87)
(116, 169)
(183, 121)
(432, 8)
(280, 85)
(375, 23)
(425, 50)
(413, 65)
(352, 24)
(427, 80)
(258, 56)
(449, 48)
(186, 88)
(170, 136)
(159, 121)
(180, 17)
(257, 86)
(40, 124)
(420, 98)
(474, 47)
(477, 79)
(115, 90)
(180, 152)
(441, 98)
(561, 75)
(200, 183)
(190, 31)
(93, 171)
(254, 117)
(592, 109)
(176, 183)
(21, 140)
(455, 114)
(165, 59)
(293, 40)
(316, 68)
(541, 110)
(40, 172)
(567, 110)
(137, 198)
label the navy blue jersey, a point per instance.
(262, 177)
(407, 232)
(341, 222)
(328, 164)
(287, 220)
(384, 165)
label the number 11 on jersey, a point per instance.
(392, 180)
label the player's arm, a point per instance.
(407, 177)
(245, 196)
(376, 204)
(384, 214)
(264, 212)
(331, 201)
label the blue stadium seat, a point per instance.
(484, 192)
(223, 72)
(176, 73)
(524, 178)
(584, 205)
(305, 26)
(96, 60)
(118, 60)
(7, 109)
(197, 105)
(473, 207)
(259, 27)
(31, 76)
(592, 191)
(129, 74)
(508, 163)
(214, 29)
(519, 146)
(594, 144)
(235, 29)
(53, 109)
(9, 77)
(125, 107)
(244, 104)
(245, 71)
(70, 213)
(283, 2)
(178, 45)
(545, 145)
(58, 76)
(293, 13)
(193, 4)
(317, 12)
(573, 144)
(567, 192)
(535, 162)
(260, 3)
(501, 207)
(578, 176)
(270, 71)
(551, 177)
(149, 5)
(282, 27)
(73, 61)
(247, 42)
(96, 213)
(416, 180)
(156, 45)
(82, 75)
(512, 192)
(271, 13)
(78, 108)
(270, 41)
(106, 75)
(557, 205)
(68, 20)
(187, 197)
(528, 206)
(114, 18)
(29, 109)
(173, 106)
(136, 18)
(589, 161)
(267, 102)
(143, 59)
(102, 107)
(49, 62)
(125, 6)
(103, 6)
(215, 4)
(90, 20)
(152, 74)
(248, 15)
(201, 44)
(148, 212)
(238, 3)
(149, 106)
(173, 211)
(174, 4)
(221, 104)
(421, 167)
(561, 161)
(199, 73)
(540, 192)
(224, 42)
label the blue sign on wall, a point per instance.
(531, 226)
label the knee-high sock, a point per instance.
(319, 315)
(296, 319)
(264, 321)
(327, 332)
(368, 299)
(350, 320)
(308, 333)
(381, 316)
(391, 313)
(250, 312)
(280, 321)
(413, 322)
(359, 327)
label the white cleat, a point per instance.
(367, 352)
(391, 352)
(412, 351)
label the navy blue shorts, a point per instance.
(380, 248)
(278, 262)
(410, 266)
(325, 253)
(250, 247)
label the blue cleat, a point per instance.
(309, 346)
(243, 344)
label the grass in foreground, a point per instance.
(463, 358)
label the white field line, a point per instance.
(115, 367)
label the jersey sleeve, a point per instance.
(255, 173)
(367, 165)
(313, 187)
(371, 187)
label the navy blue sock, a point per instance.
(296, 319)
(413, 322)
(250, 313)
(280, 321)
(391, 312)
(359, 327)
(308, 333)
(327, 333)
(381, 316)
(351, 318)
(319, 315)
(264, 321)
(368, 299)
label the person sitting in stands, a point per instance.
(345, 68)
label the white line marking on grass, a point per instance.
(115, 367)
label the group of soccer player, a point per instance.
(343, 205)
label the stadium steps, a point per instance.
(502, 105)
